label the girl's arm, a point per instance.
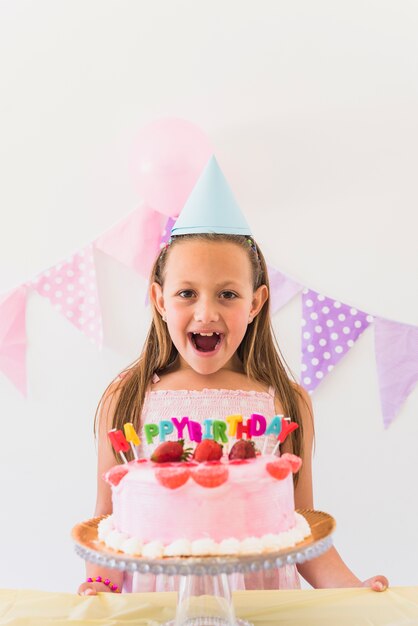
(106, 460)
(327, 570)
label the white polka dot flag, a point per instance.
(71, 287)
(329, 329)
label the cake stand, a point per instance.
(204, 597)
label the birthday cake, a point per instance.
(211, 504)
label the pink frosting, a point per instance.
(251, 503)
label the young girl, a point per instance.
(211, 351)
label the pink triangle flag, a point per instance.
(13, 337)
(282, 289)
(135, 240)
(71, 287)
(396, 347)
(329, 329)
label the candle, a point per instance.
(233, 421)
(258, 425)
(180, 426)
(166, 428)
(208, 426)
(287, 427)
(275, 426)
(132, 437)
(151, 431)
(219, 431)
(119, 443)
(244, 428)
(195, 431)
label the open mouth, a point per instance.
(205, 342)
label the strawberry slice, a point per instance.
(115, 475)
(210, 475)
(172, 477)
(295, 461)
(279, 469)
(207, 450)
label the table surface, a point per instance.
(397, 606)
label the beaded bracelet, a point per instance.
(106, 581)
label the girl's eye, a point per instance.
(228, 295)
(186, 293)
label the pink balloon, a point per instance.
(169, 157)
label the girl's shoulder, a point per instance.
(303, 400)
(301, 393)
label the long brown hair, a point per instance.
(259, 352)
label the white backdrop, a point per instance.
(312, 109)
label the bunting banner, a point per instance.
(71, 287)
(329, 330)
(396, 349)
(172, 157)
(13, 337)
(166, 234)
(135, 240)
(282, 289)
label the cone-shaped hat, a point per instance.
(211, 207)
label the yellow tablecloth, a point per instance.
(326, 607)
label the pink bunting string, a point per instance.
(13, 337)
(135, 240)
(71, 287)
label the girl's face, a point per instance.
(208, 302)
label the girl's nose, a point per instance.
(206, 312)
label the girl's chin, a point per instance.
(208, 362)
(204, 365)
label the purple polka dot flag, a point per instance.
(397, 364)
(329, 329)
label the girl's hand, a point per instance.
(92, 589)
(377, 583)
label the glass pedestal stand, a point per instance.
(204, 597)
(205, 601)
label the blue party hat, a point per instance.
(211, 207)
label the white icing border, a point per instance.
(202, 547)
